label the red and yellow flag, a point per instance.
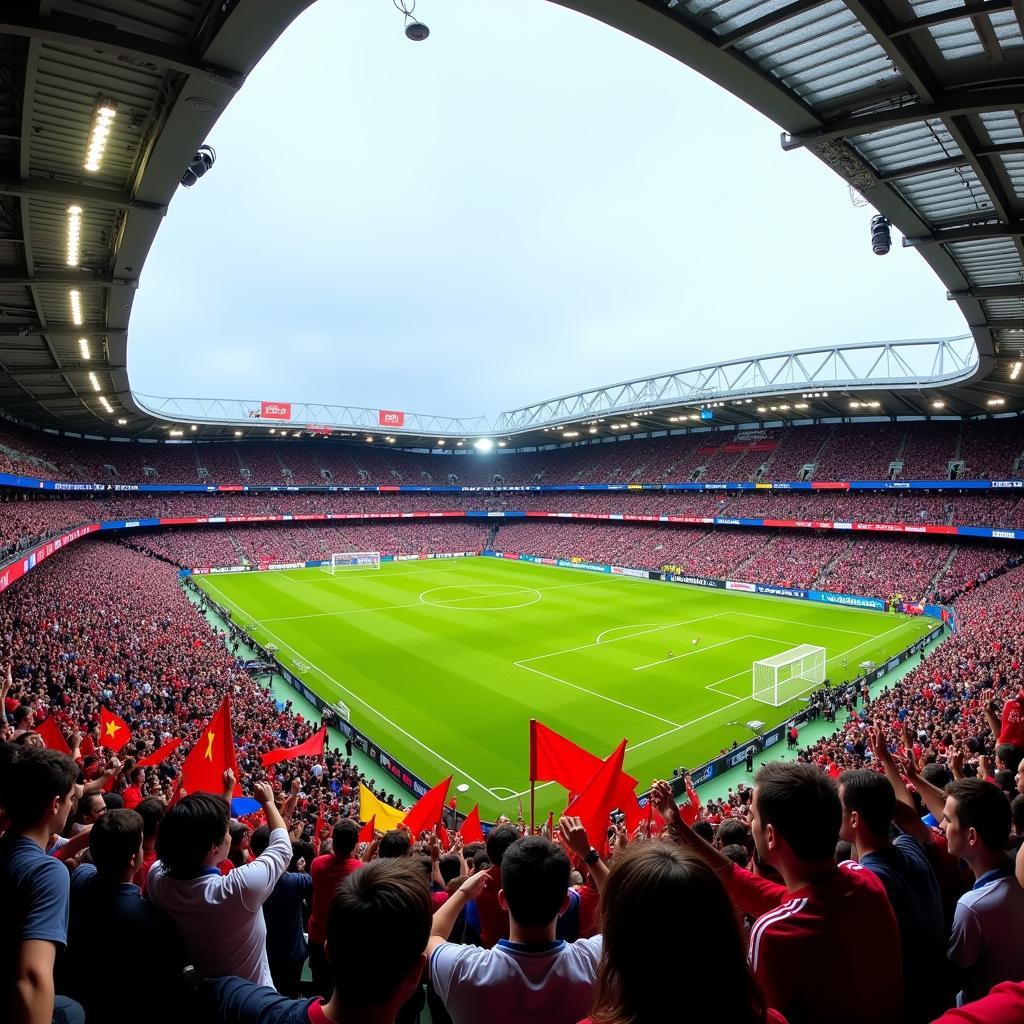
(214, 752)
(114, 731)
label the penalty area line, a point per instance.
(366, 704)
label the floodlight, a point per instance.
(483, 444)
(204, 159)
(881, 240)
(414, 30)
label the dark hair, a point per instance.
(535, 879)
(384, 905)
(871, 795)
(394, 844)
(499, 839)
(450, 866)
(36, 778)
(1017, 813)
(260, 840)
(189, 829)
(344, 837)
(152, 810)
(651, 888)
(802, 805)
(115, 839)
(481, 862)
(1007, 782)
(981, 806)
(737, 854)
(1010, 755)
(733, 833)
(705, 830)
(937, 774)
(113, 801)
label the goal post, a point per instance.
(346, 560)
(784, 677)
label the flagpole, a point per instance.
(532, 808)
(533, 757)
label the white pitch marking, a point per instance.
(834, 629)
(690, 654)
(638, 625)
(594, 693)
(366, 704)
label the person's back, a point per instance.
(108, 913)
(492, 916)
(530, 976)
(283, 914)
(219, 917)
(987, 942)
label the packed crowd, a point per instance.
(907, 451)
(878, 863)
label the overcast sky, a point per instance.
(526, 204)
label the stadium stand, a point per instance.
(905, 451)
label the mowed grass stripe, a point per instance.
(449, 687)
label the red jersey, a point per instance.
(1011, 726)
(803, 943)
(493, 920)
(1003, 1005)
(328, 873)
(132, 797)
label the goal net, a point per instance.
(785, 676)
(346, 560)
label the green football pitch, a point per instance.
(443, 663)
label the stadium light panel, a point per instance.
(593, 430)
(238, 433)
(440, 442)
(483, 444)
(369, 439)
(762, 408)
(459, 444)
(94, 380)
(800, 405)
(74, 238)
(176, 433)
(273, 430)
(193, 427)
(75, 299)
(855, 405)
(1015, 370)
(99, 134)
(122, 422)
(106, 405)
(937, 404)
(501, 444)
(996, 401)
(633, 423)
(83, 346)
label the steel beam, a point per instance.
(991, 291)
(72, 191)
(976, 233)
(80, 279)
(21, 19)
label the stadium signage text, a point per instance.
(275, 410)
(390, 418)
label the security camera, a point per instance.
(199, 165)
(881, 241)
(416, 31)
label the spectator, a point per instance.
(988, 928)
(283, 913)
(109, 913)
(531, 975)
(38, 794)
(90, 809)
(133, 795)
(651, 890)
(219, 917)
(492, 916)
(384, 907)
(869, 805)
(823, 918)
(328, 872)
(152, 811)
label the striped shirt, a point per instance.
(827, 952)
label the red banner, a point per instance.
(275, 410)
(319, 429)
(390, 418)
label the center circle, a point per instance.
(481, 597)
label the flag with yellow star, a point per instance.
(213, 753)
(114, 731)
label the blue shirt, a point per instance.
(283, 912)
(34, 896)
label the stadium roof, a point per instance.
(917, 105)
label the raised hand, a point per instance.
(262, 791)
(574, 835)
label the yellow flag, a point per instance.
(387, 817)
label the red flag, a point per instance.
(313, 747)
(553, 758)
(367, 831)
(470, 829)
(52, 736)
(212, 755)
(114, 731)
(443, 838)
(160, 754)
(599, 798)
(87, 748)
(833, 770)
(426, 812)
(690, 811)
